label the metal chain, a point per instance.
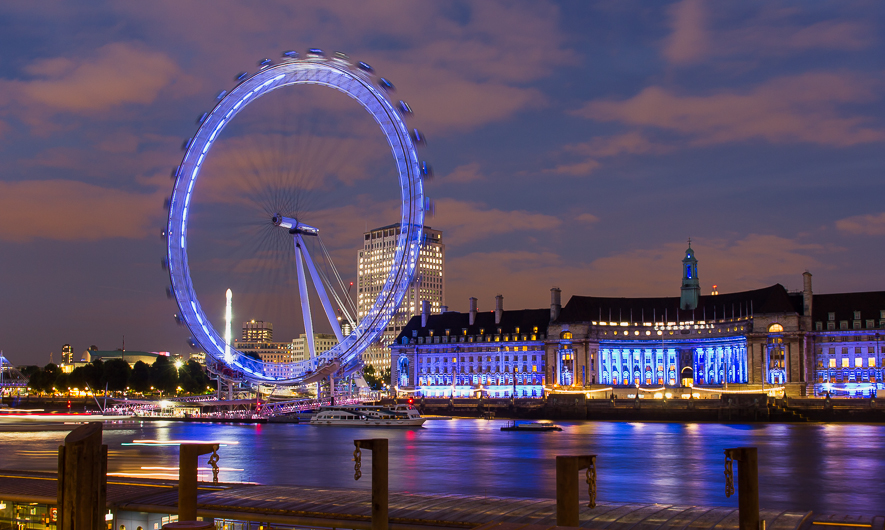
(729, 475)
(591, 482)
(213, 461)
(357, 463)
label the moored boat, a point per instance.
(530, 427)
(368, 416)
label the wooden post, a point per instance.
(378, 446)
(82, 479)
(567, 489)
(187, 478)
(748, 486)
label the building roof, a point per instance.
(118, 354)
(774, 299)
(870, 304)
(455, 322)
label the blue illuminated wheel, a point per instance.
(359, 82)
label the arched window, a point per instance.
(775, 328)
(566, 335)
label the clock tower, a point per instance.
(691, 287)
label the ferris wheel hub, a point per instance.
(293, 225)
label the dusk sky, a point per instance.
(575, 144)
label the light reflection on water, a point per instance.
(825, 468)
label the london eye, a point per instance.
(288, 230)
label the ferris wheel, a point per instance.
(358, 81)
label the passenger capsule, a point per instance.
(365, 67)
(240, 76)
(426, 170)
(404, 108)
(341, 56)
(164, 263)
(175, 171)
(186, 144)
(166, 203)
(264, 63)
(290, 54)
(177, 319)
(316, 52)
(386, 85)
(220, 95)
(429, 206)
(418, 138)
(201, 118)
(169, 292)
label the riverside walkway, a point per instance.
(137, 502)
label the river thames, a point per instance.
(822, 467)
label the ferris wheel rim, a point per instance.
(359, 85)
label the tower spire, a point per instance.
(691, 286)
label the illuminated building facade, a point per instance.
(257, 331)
(375, 261)
(496, 353)
(849, 343)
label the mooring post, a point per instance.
(378, 446)
(567, 468)
(187, 478)
(82, 479)
(748, 485)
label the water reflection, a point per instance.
(825, 468)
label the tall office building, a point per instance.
(322, 342)
(374, 263)
(258, 331)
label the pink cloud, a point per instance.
(696, 35)
(587, 218)
(466, 173)
(867, 225)
(75, 211)
(801, 108)
(689, 40)
(117, 74)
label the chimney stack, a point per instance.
(555, 303)
(499, 308)
(806, 294)
(472, 310)
(425, 312)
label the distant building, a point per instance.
(374, 263)
(130, 356)
(67, 354)
(322, 342)
(764, 340)
(497, 353)
(269, 352)
(257, 331)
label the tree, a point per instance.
(164, 376)
(115, 375)
(94, 374)
(375, 380)
(140, 378)
(192, 378)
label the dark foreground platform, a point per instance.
(343, 508)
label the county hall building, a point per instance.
(763, 340)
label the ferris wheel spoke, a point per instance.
(305, 300)
(321, 290)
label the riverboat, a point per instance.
(530, 427)
(368, 416)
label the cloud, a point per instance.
(689, 40)
(116, 74)
(587, 218)
(697, 35)
(467, 173)
(75, 211)
(466, 222)
(868, 225)
(800, 108)
(632, 142)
